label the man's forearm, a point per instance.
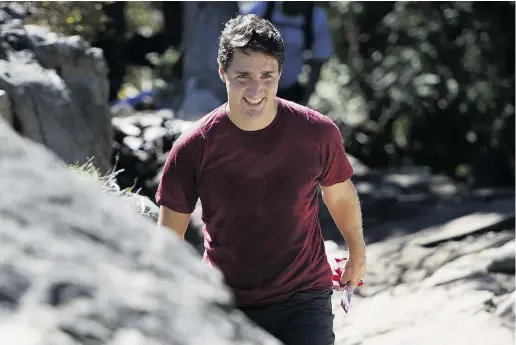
(348, 218)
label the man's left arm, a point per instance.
(322, 49)
(343, 204)
(341, 198)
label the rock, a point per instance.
(504, 259)
(5, 108)
(177, 127)
(154, 133)
(390, 196)
(133, 143)
(142, 142)
(422, 219)
(58, 89)
(122, 110)
(415, 294)
(149, 119)
(124, 129)
(506, 309)
(466, 226)
(144, 206)
(82, 267)
(450, 282)
(428, 317)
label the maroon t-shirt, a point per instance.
(258, 192)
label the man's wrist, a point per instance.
(357, 252)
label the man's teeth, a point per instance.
(253, 101)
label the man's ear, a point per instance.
(222, 75)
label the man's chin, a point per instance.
(253, 113)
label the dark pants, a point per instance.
(306, 318)
(294, 93)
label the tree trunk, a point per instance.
(203, 23)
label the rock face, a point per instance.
(142, 142)
(5, 108)
(82, 267)
(448, 284)
(58, 90)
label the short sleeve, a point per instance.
(336, 167)
(322, 44)
(177, 189)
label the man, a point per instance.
(304, 27)
(255, 163)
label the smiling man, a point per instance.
(256, 163)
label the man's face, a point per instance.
(251, 82)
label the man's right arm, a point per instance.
(177, 190)
(175, 221)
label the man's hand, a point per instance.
(353, 271)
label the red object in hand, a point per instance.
(347, 290)
(337, 285)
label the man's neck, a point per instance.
(250, 124)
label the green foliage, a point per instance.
(427, 83)
(143, 15)
(82, 18)
(86, 18)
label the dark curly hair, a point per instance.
(250, 32)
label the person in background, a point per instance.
(304, 27)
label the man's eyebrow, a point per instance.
(264, 72)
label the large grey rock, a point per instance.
(58, 88)
(436, 287)
(5, 108)
(79, 266)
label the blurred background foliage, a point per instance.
(86, 18)
(424, 83)
(411, 83)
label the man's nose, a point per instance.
(255, 88)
